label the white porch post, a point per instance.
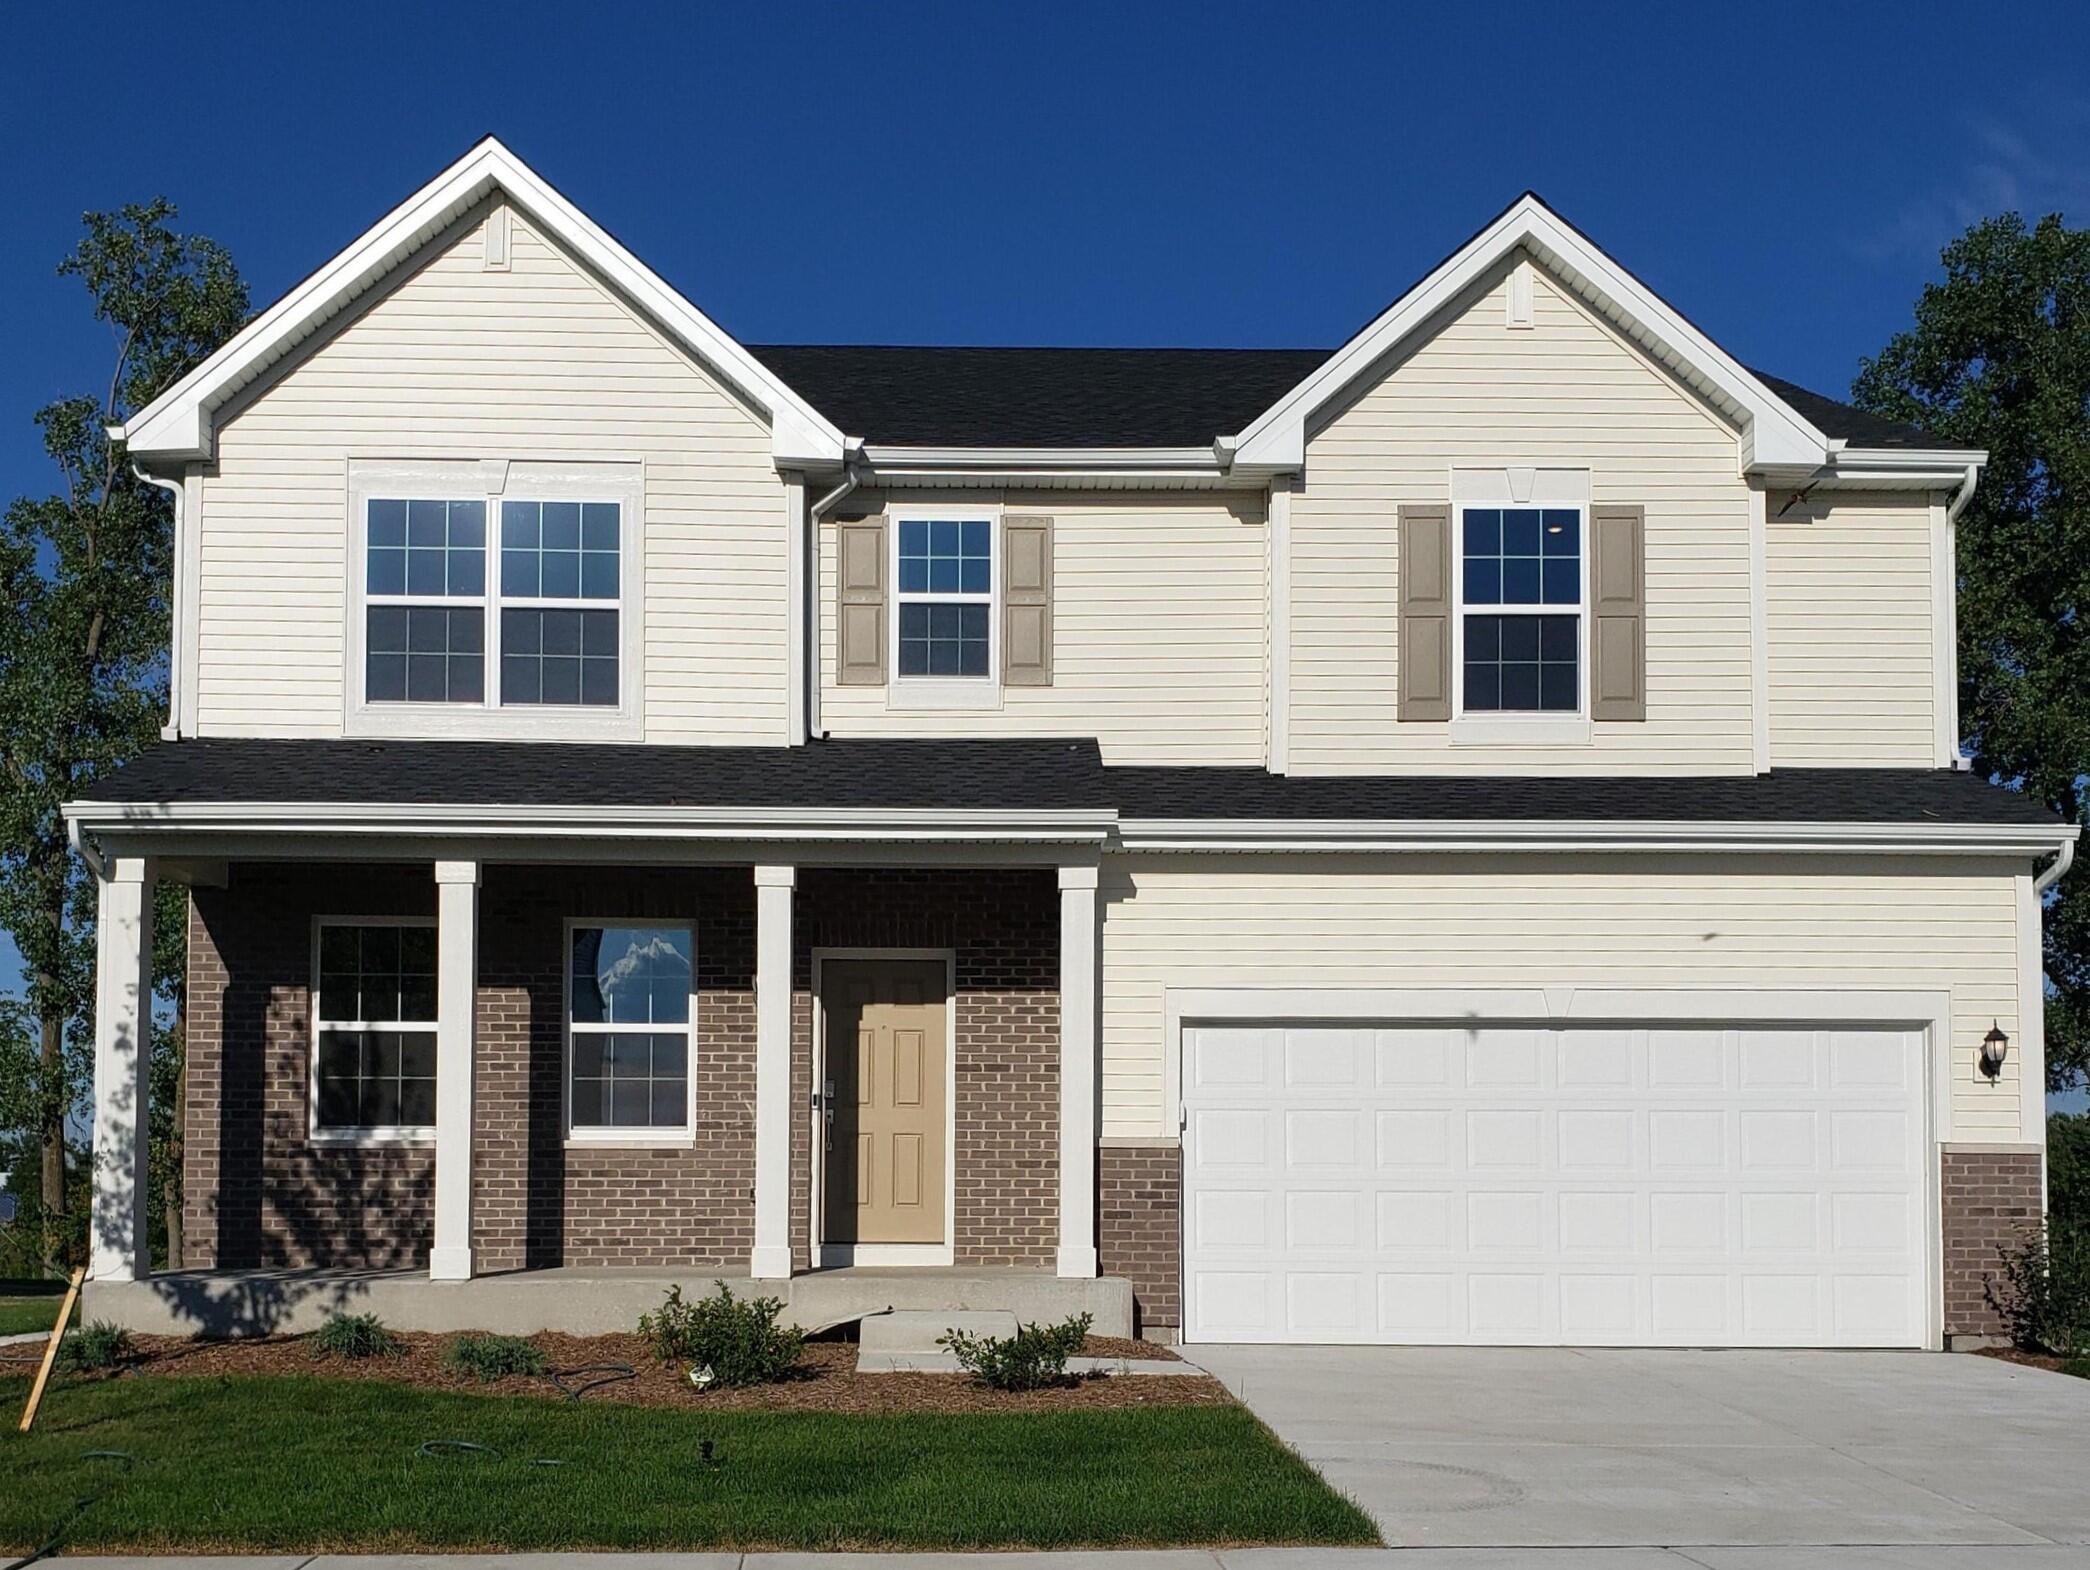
(456, 986)
(771, 1259)
(122, 1059)
(1078, 956)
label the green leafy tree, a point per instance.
(1999, 358)
(84, 595)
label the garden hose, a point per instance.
(80, 1507)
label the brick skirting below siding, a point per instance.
(1139, 1228)
(1990, 1200)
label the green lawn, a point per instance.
(309, 1465)
(28, 1305)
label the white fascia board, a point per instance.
(464, 821)
(1774, 433)
(1537, 835)
(177, 425)
(1897, 469)
(1050, 465)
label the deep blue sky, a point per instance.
(1210, 173)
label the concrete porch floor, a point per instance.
(579, 1301)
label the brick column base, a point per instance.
(1990, 1199)
(1139, 1231)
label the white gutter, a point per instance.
(1402, 835)
(175, 675)
(2057, 869)
(906, 824)
(1965, 493)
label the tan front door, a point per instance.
(887, 1055)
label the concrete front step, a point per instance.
(920, 1331)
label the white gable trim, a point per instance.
(1774, 435)
(177, 425)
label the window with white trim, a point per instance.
(550, 620)
(943, 596)
(630, 1029)
(1521, 588)
(373, 1028)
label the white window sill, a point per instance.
(635, 1139)
(1522, 730)
(353, 1137)
(915, 695)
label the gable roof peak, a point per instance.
(179, 424)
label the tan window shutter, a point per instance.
(1026, 609)
(860, 603)
(1425, 613)
(1618, 626)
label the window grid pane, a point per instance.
(560, 550)
(559, 657)
(624, 1078)
(374, 1064)
(427, 549)
(1522, 664)
(1522, 556)
(424, 654)
(943, 639)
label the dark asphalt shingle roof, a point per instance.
(1782, 796)
(1015, 774)
(1848, 424)
(869, 772)
(925, 397)
(904, 396)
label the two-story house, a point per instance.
(1454, 839)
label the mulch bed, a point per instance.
(2011, 1354)
(825, 1380)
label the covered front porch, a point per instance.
(865, 1066)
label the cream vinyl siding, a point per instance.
(1566, 392)
(1851, 629)
(1519, 921)
(1158, 632)
(454, 361)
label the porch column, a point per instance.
(771, 1259)
(122, 1061)
(456, 1002)
(1077, 1250)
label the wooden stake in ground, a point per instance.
(43, 1374)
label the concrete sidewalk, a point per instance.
(1843, 1557)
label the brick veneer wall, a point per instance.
(1139, 1227)
(1004, 928)
(256, 1190)
(1990, 1199)
(259, 1192)
(537, 1201)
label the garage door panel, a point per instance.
(1537, 1186)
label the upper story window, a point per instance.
(495, 599)
(629, 1030)
(944, 596)
(1521, 625)
(373, 1029)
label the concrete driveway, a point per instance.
(1699, 1450)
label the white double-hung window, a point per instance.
(944, 594)
(1522, 585)
(495, 599)
(631, 1009)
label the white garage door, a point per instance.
(1580, 1187)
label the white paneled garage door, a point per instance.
(1525, 1186)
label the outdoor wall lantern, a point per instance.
(1995, 1047)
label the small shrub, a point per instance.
(354, 1336)
(1034, 1357)
(738, 1339)
(492, 1357)
(2042, 1292)
(97, 1346)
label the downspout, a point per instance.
(2056, 870)
(1963, 495)
(1953, 509)
(852, 476)
(175, 675)
(86, 849)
